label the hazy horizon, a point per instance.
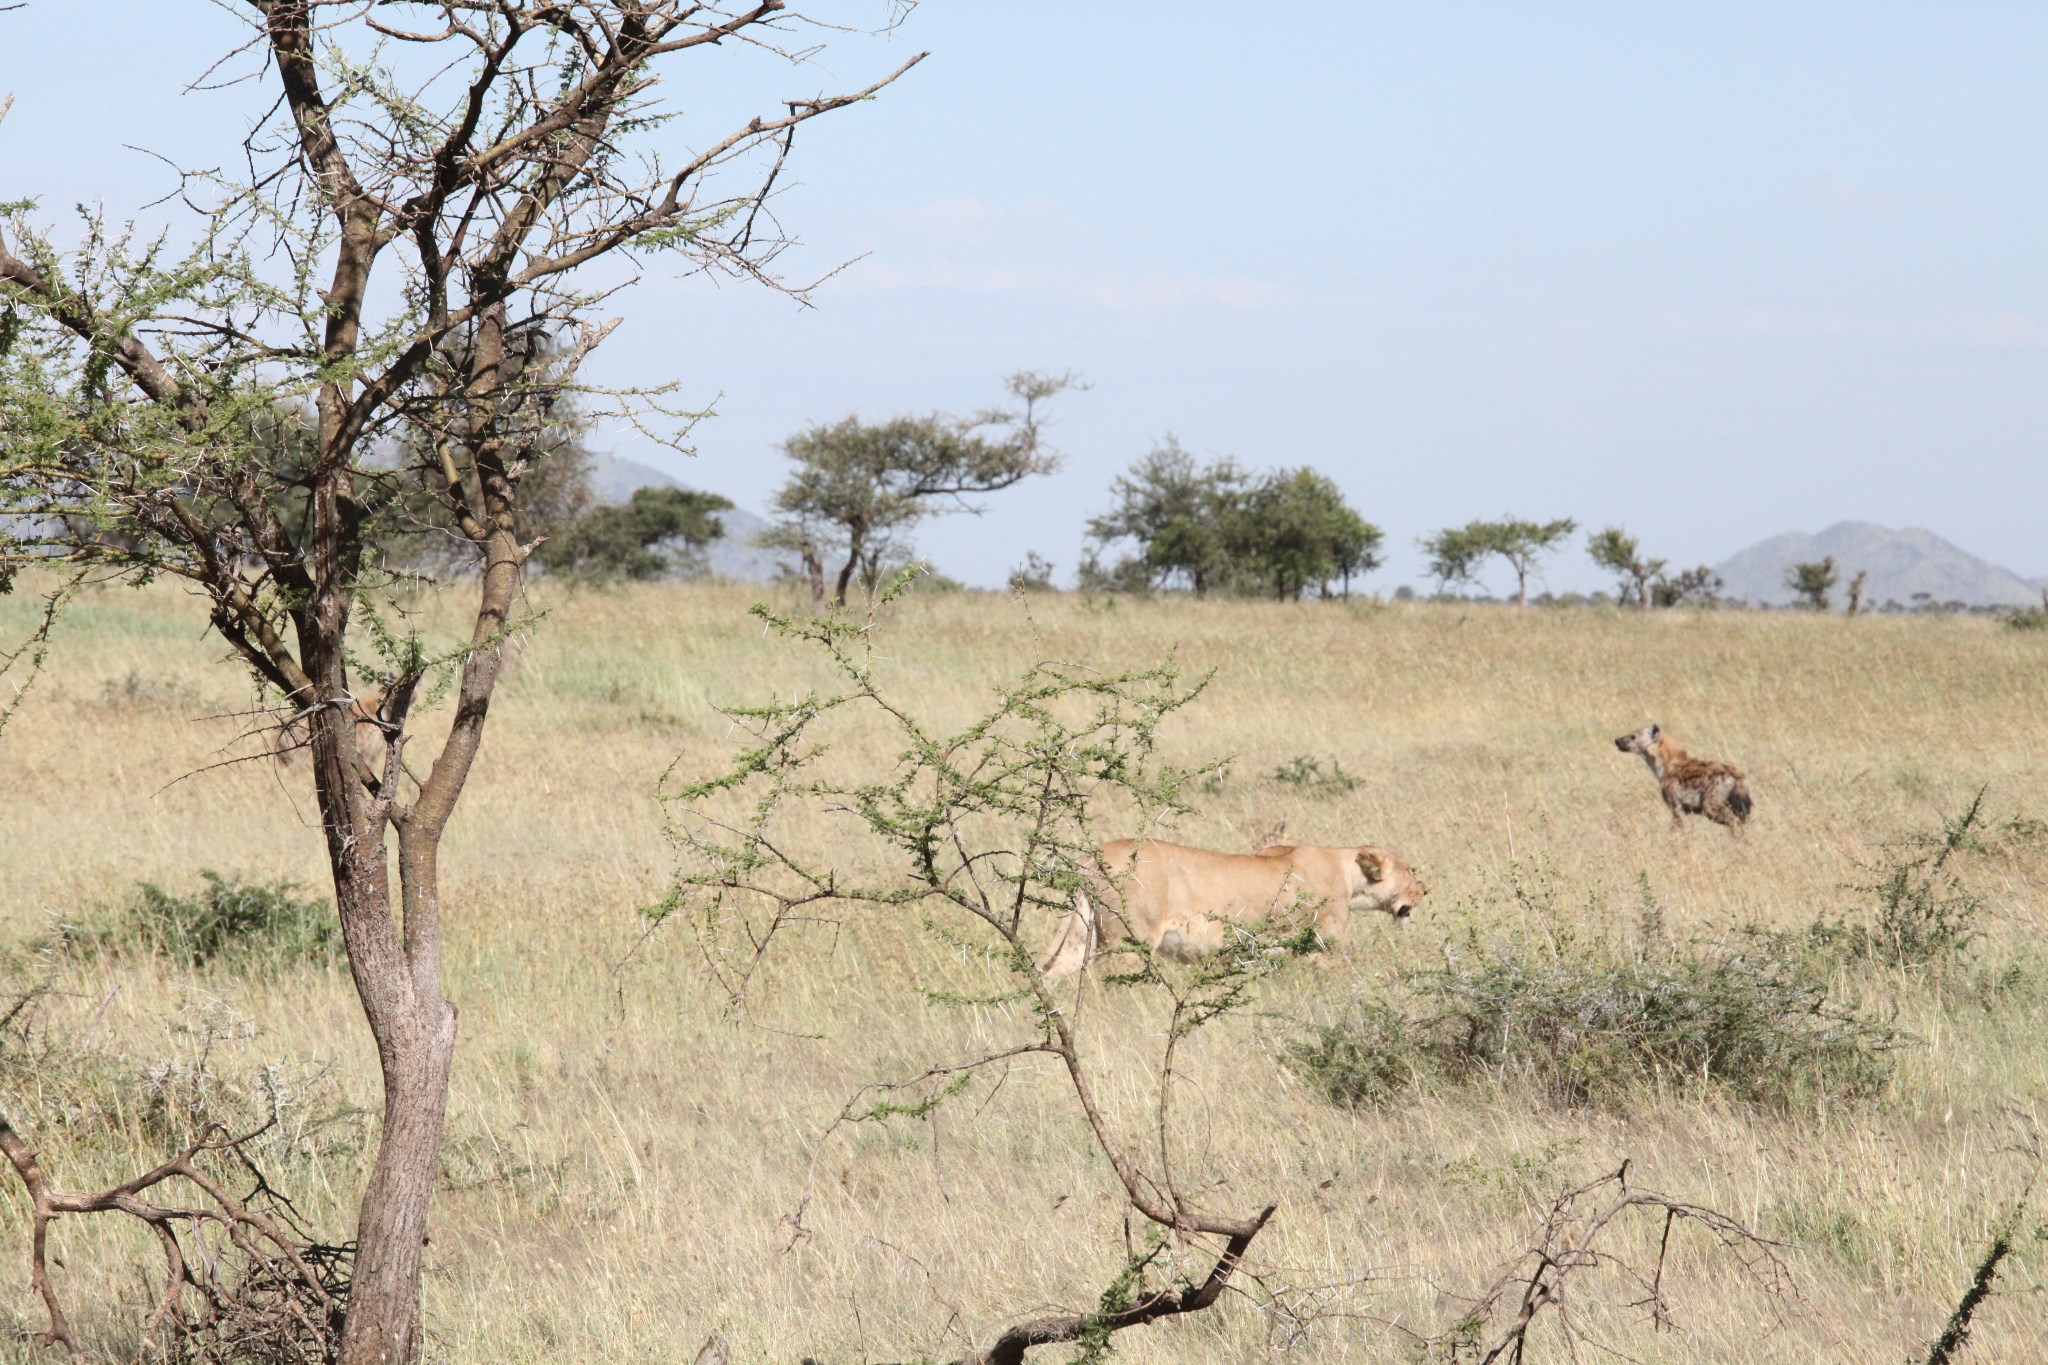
(1712, 275)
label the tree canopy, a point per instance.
(654, 533)
(1813, 581)
(1619, 552)
(1456, 552)
(1215, 526)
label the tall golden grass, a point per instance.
(622, 1151)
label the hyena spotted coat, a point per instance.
(1699, 786)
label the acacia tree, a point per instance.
(1178, 512)
(1698, 586)
(871, 482)
(424, 200)
(986, 830)
(1294, 528)
(1456, 552)
(1812, 581)
(1216, 526)
(1856, 590)
(654, 532)
(1621, 553)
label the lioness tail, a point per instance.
(1074, 943)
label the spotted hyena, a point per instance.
(1700, 786)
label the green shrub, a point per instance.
(1752, 1017)
(240, 925)
(1306, 772)
(2027, 618)
(1362, 1061)
(1922, 913)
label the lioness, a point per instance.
(1175, 898)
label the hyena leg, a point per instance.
(1716, 809)
(1671, 799)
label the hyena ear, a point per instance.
(1370, 864)
(1656, 732)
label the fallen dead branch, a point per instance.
(241, 1282)
(1572, 1241)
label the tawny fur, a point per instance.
(1696, 786)
(1179, 900)
(295, 736)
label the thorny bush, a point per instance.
(983, 834)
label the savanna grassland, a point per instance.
(622, 1150)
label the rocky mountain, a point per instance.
(733, 555)
(1902, 563)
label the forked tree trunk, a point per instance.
(395, 960)
(414, 1028)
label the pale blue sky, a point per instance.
(1709, 271)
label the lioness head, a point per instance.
(1385, 882)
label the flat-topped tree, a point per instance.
(426, 198)
(859, 487)
(1456, 552)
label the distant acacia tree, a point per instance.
(1620, 553)
(1696, 587)
(805, 538)
(1856, 590)
(655, 532)
(1812, 581)
(1214, 526)
(1033, 575)
(1454, 556)
(1456, 552)
(1180, 514)
(859, 487)
(1293, 529)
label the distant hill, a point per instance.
(733, 555)
(1901, 563)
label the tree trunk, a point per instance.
(413, 1026)
(396, 966)
(846, 571)
(814, 572)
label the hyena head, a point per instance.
(1643, 741)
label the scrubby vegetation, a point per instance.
(624, 1153)
(1784, 1018)
(1749, 1016)
(230, 923)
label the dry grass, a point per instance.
(621, 1153)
